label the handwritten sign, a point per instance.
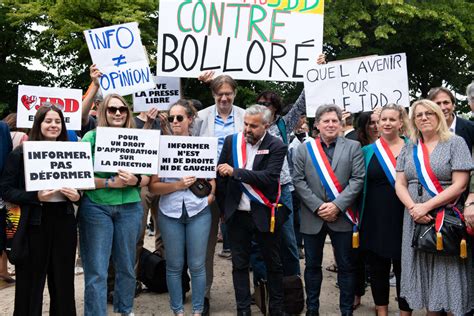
(188, 156)
(133, 150)
(55, 165)
(118, 52)
(247, 39)
(358, 84)
(31, 98)
(166, 92)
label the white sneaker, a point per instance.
(78, 270)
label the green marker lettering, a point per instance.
(181, 27)
(253, 23)
(276, 24)
(219, 21)
(237, 19)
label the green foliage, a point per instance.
(436, 35)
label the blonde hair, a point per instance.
(102, 111)
(402, 115)
(441, 129)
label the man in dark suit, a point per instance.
(326, 212)
(446, 101)
(248, 175)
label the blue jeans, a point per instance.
(345, 258)
(290, 258)
(106, 230)
(190, 235)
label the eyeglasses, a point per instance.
(51, 105)
(113, 110)
(267, 104)
(180, 118)
(419, 116)
(226, 94)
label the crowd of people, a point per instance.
(279, 188)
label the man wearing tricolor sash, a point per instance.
(328, 176)
(248, 191)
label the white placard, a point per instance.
(166, 92)
(246, 39)
(55, 165)
(133, 150)
(358, 84)
(31, 98)
(187, 156)
(118, 52)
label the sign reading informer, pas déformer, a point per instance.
(187, 156)
(55, 165)
(133, 150)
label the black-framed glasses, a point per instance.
(113, 109)
(180, 118)
(265, 103)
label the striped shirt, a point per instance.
(223, 129)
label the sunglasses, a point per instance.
(180, 118)
(114, 109)
(264, 103)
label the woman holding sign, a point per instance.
(381, 227)
(432, 172)
(109, 223)
(48, 240)
(184, 220)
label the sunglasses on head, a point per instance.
(114, 109)
(264, 103)
(180, 118)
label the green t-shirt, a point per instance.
(109, 196)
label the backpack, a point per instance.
(152, 271)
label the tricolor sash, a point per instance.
(386, 159)
(430, 182)
(239, 155)
(330, 182)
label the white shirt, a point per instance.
(244, 204)
(452, 128)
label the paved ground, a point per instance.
(223, 301)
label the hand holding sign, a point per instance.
(72, 194)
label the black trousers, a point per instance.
(241, 229)
(52, 251)
(379, 269)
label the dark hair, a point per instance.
(35, 133)
(362, 123)
(10, 119)
(435, 91)
(197, 104)
(273, 98)
(219, 81)
(189, 109)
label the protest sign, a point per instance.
(358, 84)
(118, 53)
(166, 92)
(31, 98)
(187, 156)
(246, 39)
(55, 165)
(133, 150)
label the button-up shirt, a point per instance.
(223, 129)
(171, 204)
(244, 204)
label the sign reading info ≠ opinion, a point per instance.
(55, 165)
(133, 150)
(359, 84)
(182, 156)
(119, 54)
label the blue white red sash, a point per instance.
(239, 155)
(327, 176)
(431, 184)
(386, 159)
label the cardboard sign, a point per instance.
(55, 165)
(118, 52)
(358, 84)
(166, 92)
(246, 39)
(188, 156)
(31, 98)
(133, 150)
